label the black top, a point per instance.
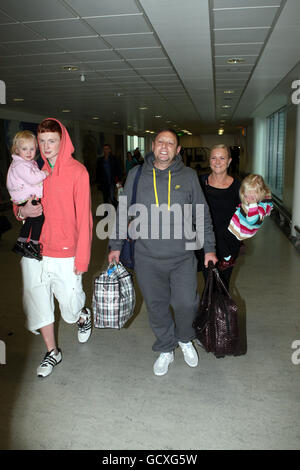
(222, 204)
(107, 171)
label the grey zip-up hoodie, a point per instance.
(163, 222)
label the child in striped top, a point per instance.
(255, 205)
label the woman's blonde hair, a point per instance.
(22, 135)
(221, 146)
(255, 183)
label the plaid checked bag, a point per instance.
(113, 297)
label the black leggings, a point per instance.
(32, 226)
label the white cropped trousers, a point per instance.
(44, 280)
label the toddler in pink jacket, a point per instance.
(25, 181)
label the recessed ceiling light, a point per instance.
(95, 117)
(65, 110)
(157, 116)
(143, 107)
(229, 92)
(225, 106)
(235, 60)
(115, 122)
(18, 99)
(70, 68)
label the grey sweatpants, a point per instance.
(164, 283)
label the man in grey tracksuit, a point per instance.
(165, 264)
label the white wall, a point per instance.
(257, 152)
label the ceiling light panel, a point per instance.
(148, 63)
(128, 41)
(80, 44)
(244, 3)
(238, 50)
(33, 47)
(35, 10)
(236, 35)
(244, 17)
(121, 24)
(142, 53)
(61, 29)
(17, 32)
(91, 56)
(103, 7)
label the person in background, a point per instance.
(165, 268)
(222, 195)
(137, 157)
(130, 163)
(25, 181)
(108, 173)
(66, 237)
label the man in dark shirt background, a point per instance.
(108, 173)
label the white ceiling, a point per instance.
(168, 56)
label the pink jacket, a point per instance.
(24, 179)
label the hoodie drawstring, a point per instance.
(155, 189)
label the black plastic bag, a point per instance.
(216, 324)
(127, 253)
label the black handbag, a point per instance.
(216, 323)
(127, 251)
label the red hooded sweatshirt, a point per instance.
(67, 230)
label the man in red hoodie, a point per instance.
(66, 243)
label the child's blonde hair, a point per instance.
(22, 135)
(255, 183)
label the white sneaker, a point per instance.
(161, 364)
(189, 353)
(50, 360)
(85, 328)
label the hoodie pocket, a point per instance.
(60, 237)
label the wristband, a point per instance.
(20, 216)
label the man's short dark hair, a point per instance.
(172, 131)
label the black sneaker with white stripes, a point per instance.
(84, 325)
(50, 360)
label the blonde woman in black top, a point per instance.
(222, 195)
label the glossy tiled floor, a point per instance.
(104, 394)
